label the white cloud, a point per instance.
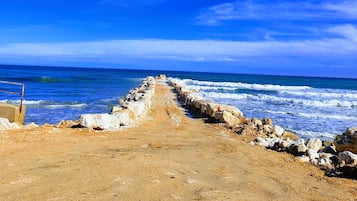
(276, 10)
(348, 31)
(185, 50)
(349, 8)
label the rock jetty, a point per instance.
(337, 157)
(133, 107)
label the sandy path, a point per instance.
(168, 157)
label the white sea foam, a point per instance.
(210, 88)
(239, 85)
(315, 115)
(337, 94)
(45, 104)
(282, 100)
(26, 102)
(309, 134)
(66, 106)
(227, 95)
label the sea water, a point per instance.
(310, 107)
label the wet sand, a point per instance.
(167, 157)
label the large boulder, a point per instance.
(347, 141)
(289, 135)
(314, 143)
(211, 109)
(105, 121)
(278, 130)
(298, 148)
(233, 110)
(138, 108)
(347, 164)
(227, 117)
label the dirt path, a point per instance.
(168, 157)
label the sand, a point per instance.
(170, 156)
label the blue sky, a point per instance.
(313, 38)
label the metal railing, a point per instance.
(22, 93)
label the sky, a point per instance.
(308, 38)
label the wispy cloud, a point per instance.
(187, 50)
(277, 10)
(348, 31)
(348, 8)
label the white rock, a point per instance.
(101, 121)
(31, 125)
(262, 142)
(279, 130)
(312, 154)
(314, 143)
(138, 108)
(6, 125)
(325, 162)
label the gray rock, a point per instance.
(347, 141)
(297, 148)
(347, 158)
(330, 149)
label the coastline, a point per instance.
(337, 158)
(174, 157)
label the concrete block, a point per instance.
(12, 112)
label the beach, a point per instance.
(168, 156)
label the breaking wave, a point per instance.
(239, 85)
(45, 104)
(282, 100)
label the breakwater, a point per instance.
(130, 110)
(334, 157)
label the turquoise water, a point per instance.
(320, 107)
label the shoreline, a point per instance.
(173, 156)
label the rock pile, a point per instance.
(217, 112)
(6, 125)
(133, 107)
(336, 158)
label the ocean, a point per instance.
(308, 106)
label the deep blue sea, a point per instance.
(320, 107)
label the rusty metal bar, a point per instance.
(22, 93)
